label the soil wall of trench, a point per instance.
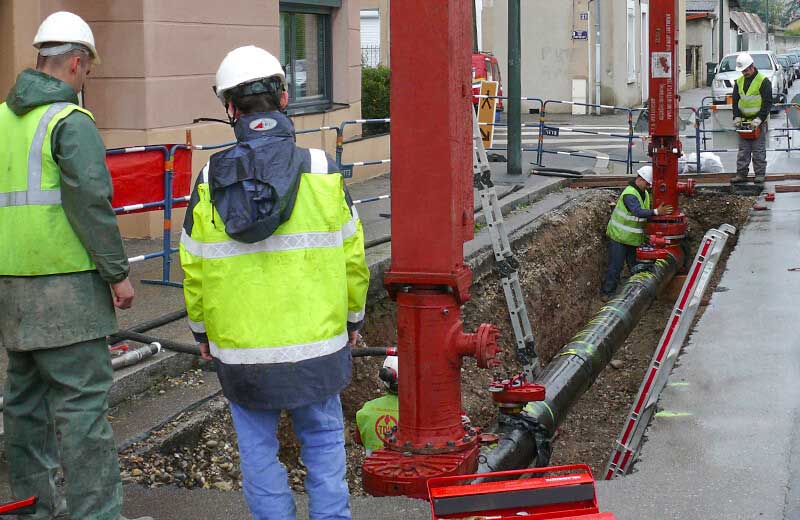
(563, 258)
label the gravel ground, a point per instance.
(562, 266)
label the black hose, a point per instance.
(168, 344)
(369, 351)
(556, 172)
(149, 325)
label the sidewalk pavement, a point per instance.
(732, 450)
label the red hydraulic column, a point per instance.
(432, 217)
(665, 147)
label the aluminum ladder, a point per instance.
(507, 264)
(678, 326)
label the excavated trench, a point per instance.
(562, 262)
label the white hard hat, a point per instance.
(244, 65)
(646, 173)
(64, 27)
(743, 61)
(389, 373)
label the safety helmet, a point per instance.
(388, 373)
(244, 65)
(65, 28)
(646, 173)
(743, 61)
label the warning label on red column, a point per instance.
(661, 64)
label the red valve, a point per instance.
(512, 394)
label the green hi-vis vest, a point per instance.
(35, 236)
(750, 102)
(287, 298)
(376, 419)
(623, 227)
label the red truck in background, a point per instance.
(486, 68)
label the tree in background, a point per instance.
(780, 11)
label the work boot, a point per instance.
(759, 179)
(738, 179)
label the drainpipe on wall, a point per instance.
(722, 30)
(514, 90)
(597, 59)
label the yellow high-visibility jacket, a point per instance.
(276, 311)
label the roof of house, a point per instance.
(749, 22)
(707, 6)
(701, 6)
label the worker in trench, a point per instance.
(379, 417)
(752, 102)
(626, 226)
(275, 286)
(63, 269)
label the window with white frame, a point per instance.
(631, 41)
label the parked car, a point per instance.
(486, 68)
(787, 69)
(795, 61)
(726, 75)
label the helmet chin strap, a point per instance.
(231, 119)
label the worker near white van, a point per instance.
(379, 417)
(752, 102)
(625, 228)
(275, 286)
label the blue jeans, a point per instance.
(320, 429)
(618, 255)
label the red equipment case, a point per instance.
(559, 492)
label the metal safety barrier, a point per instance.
(787, 132)
(169, 201)
(549, 129)
(347, 168)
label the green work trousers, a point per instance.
(55, 403)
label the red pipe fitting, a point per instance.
(482, 345)
(686, 187)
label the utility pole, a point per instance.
(768, 17)
(474, 28)
(514, 89)
(723, 28)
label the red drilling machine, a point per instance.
(432, 454)
(666, 232)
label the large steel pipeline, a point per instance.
(573, 370)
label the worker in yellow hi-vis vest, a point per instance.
(63, 269)
(377, 418)
(626, 227)
(752, 102)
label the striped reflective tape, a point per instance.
(355, 317)
(619, 213)
(272, 244)
(196, 326)
(280, 353)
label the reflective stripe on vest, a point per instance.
(623, 227)
(279, 354)
(36, 238)
(750, 102)
(35, 195)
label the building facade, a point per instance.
(159, 59)
(559, 51)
